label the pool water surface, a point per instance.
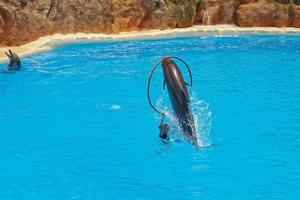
(75, 122)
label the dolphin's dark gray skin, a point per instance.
(164, 130)
(14, 61)
(180, 99)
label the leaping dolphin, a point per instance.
(14, 61)
(180, 99)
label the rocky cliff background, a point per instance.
(22, 21)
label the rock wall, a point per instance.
(279, 13)
(216, 11)
(22, 21)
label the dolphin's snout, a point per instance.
(166, 62)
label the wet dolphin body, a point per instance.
(180, 99)
(14, 61)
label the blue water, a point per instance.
(75, 122)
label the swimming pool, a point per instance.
(76, 124)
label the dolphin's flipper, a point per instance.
(164, 84)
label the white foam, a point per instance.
(115, 107)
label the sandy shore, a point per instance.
(49, 42)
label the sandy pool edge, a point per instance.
(49, 42)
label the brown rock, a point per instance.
(296, 17)
(127, 15)
(282, 15)
(6, 24)
(212, 15)
(168, 13)
(216, 11)
(70, 16)
(256, 14)
(22, 21)
(296, 2)
(34, 19)
(1, 24)
(283, 1)
(248, 1)
(157, 15)
(182, 12)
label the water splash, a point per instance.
(202, 117)
(203, 120)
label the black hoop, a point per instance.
(152, 72)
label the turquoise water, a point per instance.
(76, 124)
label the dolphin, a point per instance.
(14, 61)
(180, 99)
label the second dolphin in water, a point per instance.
(180, 99)
(14, 61)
